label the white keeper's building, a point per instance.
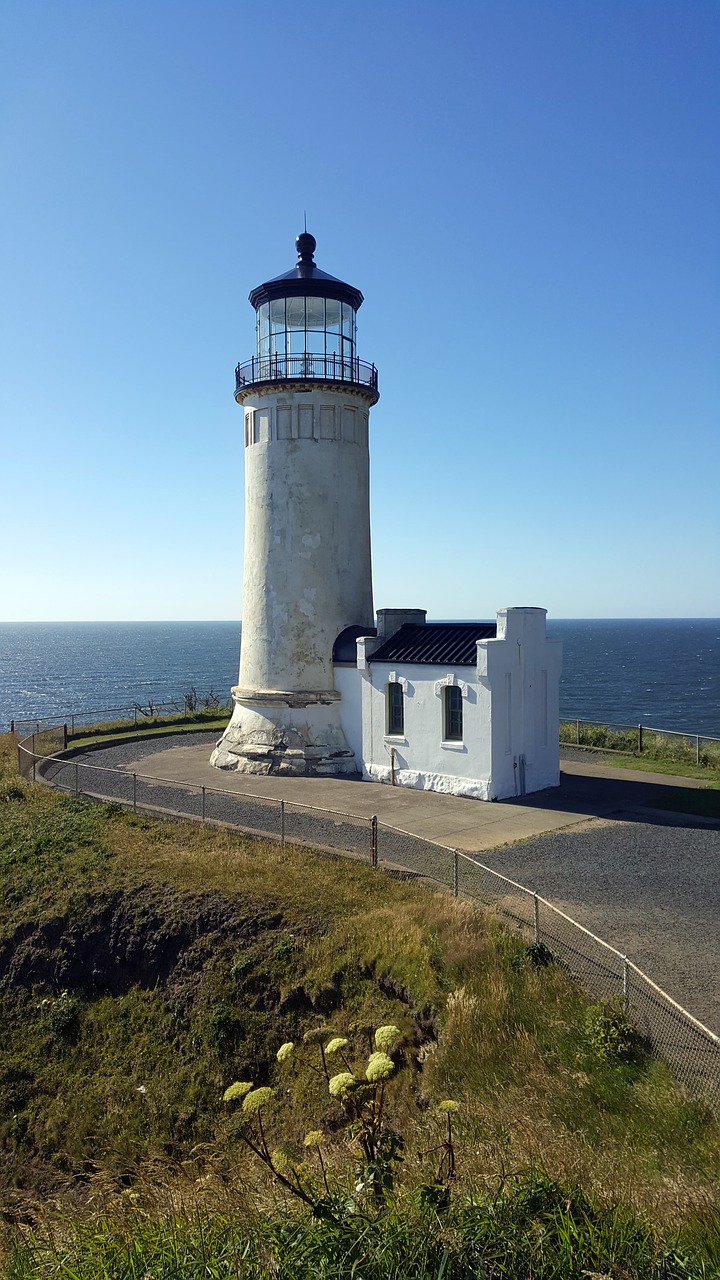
(470, 708)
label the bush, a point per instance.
(63, 1016)
(609, 1034)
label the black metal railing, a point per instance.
(331, 368)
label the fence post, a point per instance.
(64, 737)
(373, 842)
(134, 793)
(77, 779)
(697, 749)
(282, 824)
(536, 918)
(625, 984)
(72, 725)
(577, 733)
(33, 751)
(12, 726)
(639, 737)
(455, 873)
(202, 804)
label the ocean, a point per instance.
(660, 673)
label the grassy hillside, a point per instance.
(145, 966)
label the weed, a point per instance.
(10, 789)
(63, 1016)
(539, 955)
(609, 1034)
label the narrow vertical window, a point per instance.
(395, 709)
(453, 716)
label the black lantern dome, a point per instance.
(306, 327)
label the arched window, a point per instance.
(395, 709)
(452, 713)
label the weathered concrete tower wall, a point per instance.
(307, 549)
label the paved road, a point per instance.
(646, 881)
(651, 890)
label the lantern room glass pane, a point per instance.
(263, 320)
(315, 313)
(332, 315)
(277, 314)
(316, 342)
(296, 313)
(347, 320)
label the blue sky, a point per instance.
(527, 195)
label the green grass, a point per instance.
(188, 725)
(209, 718)
(145, 965)
(710, 777)
(525, 1226)
(660, 753)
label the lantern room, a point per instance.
(306, 325)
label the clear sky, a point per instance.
(526, 192)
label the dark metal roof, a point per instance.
(345, 647)
(306, 279)
(436, 643)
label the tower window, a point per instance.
(395, 709)
(452, 713)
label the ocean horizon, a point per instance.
(663, 673)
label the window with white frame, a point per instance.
(395, 709)
(452, 713)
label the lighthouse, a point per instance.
(305, 397)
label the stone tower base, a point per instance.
(281, 732)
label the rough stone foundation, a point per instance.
(287, 734)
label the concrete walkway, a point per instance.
(586, 791)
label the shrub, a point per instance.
(609, 1035)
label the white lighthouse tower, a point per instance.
(306, 397)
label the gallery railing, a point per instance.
(691, 1049)
(278, 368)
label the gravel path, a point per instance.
(123, 753)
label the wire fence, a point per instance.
(691, 1049)
(133, 715)
(589, 735)
(640, 739)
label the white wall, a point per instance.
(422, 758)
(348, 683)
(307, 575)
(307, 532)
(519, 672)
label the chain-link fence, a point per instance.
(131, 716)
(642, 740)
(592, 735)
(692, 1050)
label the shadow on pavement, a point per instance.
(599, 797)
